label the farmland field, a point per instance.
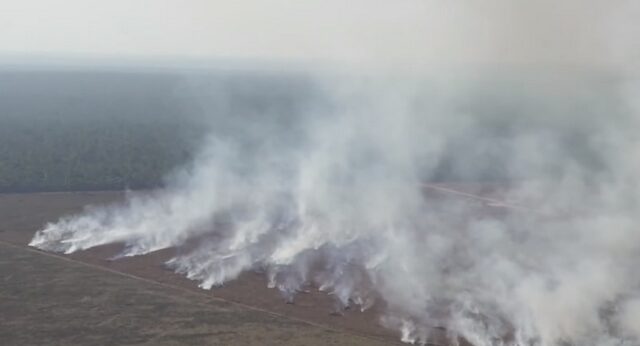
(48, 299)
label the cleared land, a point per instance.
(86, 299)
(48, 299)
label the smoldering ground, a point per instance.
(330, 195)
(325, 188)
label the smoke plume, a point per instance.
(340, 186)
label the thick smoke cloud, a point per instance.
(337, 191)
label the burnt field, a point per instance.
(86, 299)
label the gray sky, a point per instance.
(357, 31)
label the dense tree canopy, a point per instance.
(65, 130)
(91, 131)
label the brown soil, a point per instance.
(310, 318)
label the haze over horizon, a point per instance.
(408, 34)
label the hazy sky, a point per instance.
(361, 31)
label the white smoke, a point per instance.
(333, 196)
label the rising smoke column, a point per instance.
(331, 195)
(340, 206)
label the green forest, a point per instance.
(71, 130)
(65, 131)
(82, 129)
